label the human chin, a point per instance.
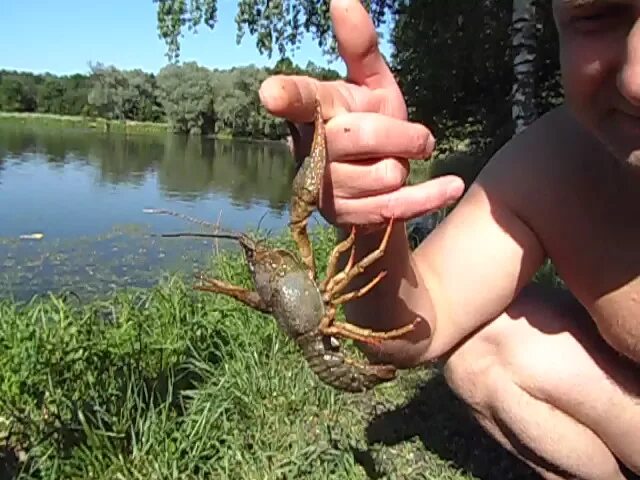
(634, 160)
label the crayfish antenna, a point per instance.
(260, 222)
(217, 231)
(231, 236)
(162, 211)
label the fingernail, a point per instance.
(431, 144)
(455, 189)
(270, 95)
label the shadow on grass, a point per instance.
(9, 463)
(445, 427)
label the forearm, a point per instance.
(396, 301)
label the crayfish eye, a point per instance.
(250, 256)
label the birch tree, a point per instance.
(524, 45)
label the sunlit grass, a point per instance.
(66, 121)
(170, 383)
(131, 127)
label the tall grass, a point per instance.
(171, 383)
(68, 121)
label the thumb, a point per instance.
(358, 46)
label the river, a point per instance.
(85, 192)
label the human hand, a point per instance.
(369, 139)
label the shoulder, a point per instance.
(534, 169)
(545, 145)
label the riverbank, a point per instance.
(127, 127)
(170, 382)
(68, 121)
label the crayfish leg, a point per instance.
(342, 279)
(339, 249)
(248, 297)
(306, 191)
(347, 297)
(364, 335)
(301, 238)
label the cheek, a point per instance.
(579, 71)
(584, 68)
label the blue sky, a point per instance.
(63, 36)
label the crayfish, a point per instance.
(286, 287)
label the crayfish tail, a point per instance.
(333, 369)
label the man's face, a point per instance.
(600, 64)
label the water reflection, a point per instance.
(186, 167)
(246, 172)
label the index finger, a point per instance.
(358, 45)
(371, 86)
(293, 97)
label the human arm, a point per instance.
(470, 268)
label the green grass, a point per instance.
(171, 383)
(66, 121)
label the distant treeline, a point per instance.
(190, 98)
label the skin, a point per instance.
(553, 376)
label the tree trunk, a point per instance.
(524, 40)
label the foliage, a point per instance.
(239, 107)
(285, 66)
(277, 25)
(171, 383)
(187, 95)
(30, 92)
(453, 59)
(174, 15)
(190, 98)
(121, 94)
(461, 71)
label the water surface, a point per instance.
(85, 191)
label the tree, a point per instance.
(187, 94)
(50, 96)
(174, 15)
(277, 24)
(524, 44)
(194, 98)
(17, 94)
(458, 74)
(454, 60)
(107, 94)
(77, 87)
(461, 78)
(124, 95)
(141, 100)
